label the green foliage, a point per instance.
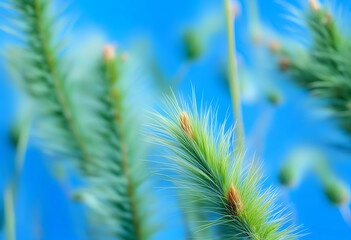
(323, 68)
(336, 192)
(93, 121)
(193, 45)
(210, 175)
(287, 175)
(274, 97)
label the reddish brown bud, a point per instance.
(284, 64)
(234, 200)
(185, 124)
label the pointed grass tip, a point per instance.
(109, 52)
(234, 200)
(185, 124)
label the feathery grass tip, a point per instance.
(211, 177)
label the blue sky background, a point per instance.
(43, 201)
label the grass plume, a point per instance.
(323, 67)
(94, 125)
(208, 173)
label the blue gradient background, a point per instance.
(43, 201)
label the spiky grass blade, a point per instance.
(232, 199)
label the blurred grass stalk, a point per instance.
(231, 10)
(254, 20)
(268, 90)
(11, 190)
(322, 69)
(10, 219)
(303, 160)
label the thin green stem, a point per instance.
(9, 214)
(21, 150)
(233, 78)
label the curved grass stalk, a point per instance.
(229, 196)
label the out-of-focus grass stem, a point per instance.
(180, 74)
(21, 150)
(10, 232)
(12, 188)
(253, 20)
(346, 214)
(233, 76)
